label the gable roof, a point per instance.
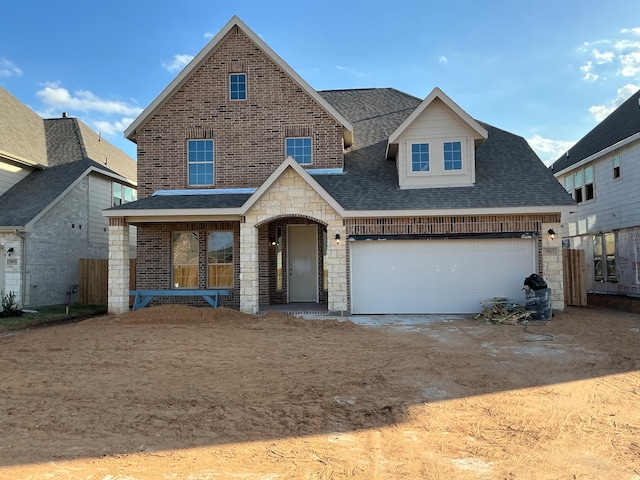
(369, 185)
(622, 124)
(42, 188)
(202, 56)
(436, 93)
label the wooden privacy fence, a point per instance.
(574, 270)
(93, 281)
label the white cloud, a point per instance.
(547, 149)
(587, 69)
(603, 57)
(59, 98)
(607, 56)
(600, 112)
(630, 64)
(634, 30)
(443, 59)
(112, 128)
(209, 35)
(8, 68)
(351, 71)
(177, 63)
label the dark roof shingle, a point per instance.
(622, 123)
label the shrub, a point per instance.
(8, 305)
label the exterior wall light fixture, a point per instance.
(551, 233)
(337, 239)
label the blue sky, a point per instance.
(546, 70)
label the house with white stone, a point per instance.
(367, 201)
(56, 177)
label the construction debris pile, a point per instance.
(500, 310)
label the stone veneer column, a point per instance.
(118, 266)
(337, 268)
(552, 265)
(249, 270)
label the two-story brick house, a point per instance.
(368, 201)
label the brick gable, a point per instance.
(248, 135)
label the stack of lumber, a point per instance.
(500, 311)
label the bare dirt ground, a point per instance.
(195, 393)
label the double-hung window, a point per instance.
(419, 157)
(220, 259)
(604, 257)
(452, 156)
(238, 86)
(200, 160)
(617, 174)
(300, 149)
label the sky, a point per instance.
(548, 71)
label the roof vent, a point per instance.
(64, 114)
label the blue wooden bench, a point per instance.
(143, 297)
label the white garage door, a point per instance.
(437, 276)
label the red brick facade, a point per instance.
(246, 154)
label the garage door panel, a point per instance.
(437, 276)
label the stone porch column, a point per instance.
(552, 265)
(118, 301)
(249, 271)
(337, 268)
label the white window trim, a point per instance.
(436, 157)
(213, 163)
(287, 155)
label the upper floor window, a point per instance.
(300, 149)
(122, 194)
(617, 174)
(238, 86)
(452, 156)
(580, 184)
(419, 157)
(200, 161)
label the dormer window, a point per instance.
(238, 86)
(420, 157)
(452, 156)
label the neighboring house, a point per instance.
(56, 177)
(366, 201)
(602, 172)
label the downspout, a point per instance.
(23, 237)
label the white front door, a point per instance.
(302, 241)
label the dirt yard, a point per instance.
(196, 393)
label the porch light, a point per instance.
(551, 233)
(273, 242)
(337, 239)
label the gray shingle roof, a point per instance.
(622, 123)
(180, 202)
(25, 200)
(508, 172)
(21, 131)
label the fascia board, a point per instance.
(437, 93)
